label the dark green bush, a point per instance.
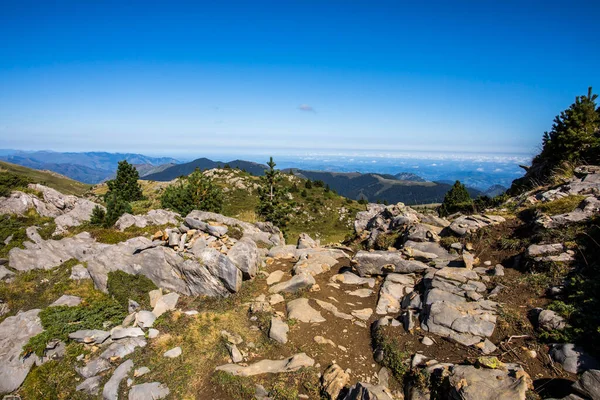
(115, 207)
(98, 216)
(456, 200)
(10, 182)
(59, 321)
(125, 185)
(123, 286)
(196, 192)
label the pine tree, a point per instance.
(273, 205)
(125, 184)
(457, 199)
(98, 215)
(115, 207)
(197, 193)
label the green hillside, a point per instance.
(47, 178)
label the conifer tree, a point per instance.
(125, 184)
(457, 199)
(198, 192)
(273, 205)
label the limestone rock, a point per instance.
(152, 217)
(222, 267)
(66, 300)
(549, 320)
(165, 303)
(306, 242)
(275, 277)
(384, 262)
(297, 282)
(589, 384)
(145, 391)
(302, 311)
(15, 332)
(90, 386)
(573, 358)
(291, 364)
(93, 367)
(471, 383)
(334, 379)
(244, 254)
(111, 389)
(278, 330)
(173, 353)
(89, 336)
(79, 272)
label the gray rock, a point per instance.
(572, 358)
(89, 336)
(93, 367)
(152, 217)
(384, 262)
(536, 250)
(173, 353)
(146, 391)
(471, 383)
(15, 332)
(297, 282)
(300, 309)
(333, 309)
(589, 384)
(549, 320)
(66, 300)
(278, 330)
(291, 364)
(349, 278)
(306, 242)
(366, 391)
(275, 277)
(141, 371)
(363, 314)
(471, 223)
(334, 379)
(5, 273)
(145, 319)
(235, 354)
(392, 291)
(132, 306)
(122, 348)
(152, 333)
(498, 270)
(244, 254)
(121, 333)
(111, 388)
(427, 341)
(222, 267)
(90, 386)
(168, 302)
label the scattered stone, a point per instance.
(291, 364)
(349, 278)
(427, 341)
(361, 293)
(66, 300)
(122, 348)
(145, 391)
(333, 309)
(276, 299)
(121, 333)
(90, 386)
(244, 254)
(297, 282)
(154, 296)
(89, 336)
(334, 379)
(300, 309)
(145, 319)
(235, 354)
(322, 340)
(306, 242)
(173, 353)
(141, 371)
(572, 358)
(367, 391)
(93, 368)
(468, 259)
(152, 333)
(279, 330)
(498, 270)
(165, 303)
(363, 314)
(383, 262)
(589, 384)
(549, 320)
(275, 277)
(132, 306)
(111, 389)
(79, 272)
(232, 338)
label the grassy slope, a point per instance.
(317, 214)
(50, 179)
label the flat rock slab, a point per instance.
(89, 336)
(90, 386)
(66, 300)
(302, 311)
(291, 364)
(572, 358)
(165, 303)
(122, 348)
(15, 332)
(385, 262)
(121, 333)
(333, 309)
(297, 282)
(275, 277)
(471, 383)
(173, 353)
(93, 367)
(146, 391)
(111, 389)
(278, 330)
(349, 278)
(363, 314)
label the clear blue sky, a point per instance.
(291, 76)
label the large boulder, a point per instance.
(471, 383)
(244, 254)
(572, 358)
(152, 217)
(383, 262)
(589, 384)
(222, 267)
(291, 364)
(15, 332)
(471, 223)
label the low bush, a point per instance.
(10, 182)
(123, 286)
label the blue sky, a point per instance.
(291, 77)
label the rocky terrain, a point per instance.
(208, 306)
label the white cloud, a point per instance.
(306, 108)
(480, 169)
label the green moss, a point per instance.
(235, 386)
(393, 355)
(560, 206)
(123, 286)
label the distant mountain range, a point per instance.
(96, 167)
(89, 167)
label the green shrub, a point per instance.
(273, 204)
(59, 321)
(115, 207)
(123, 286)
(393, 356)
(10, 182)
(196, 192)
